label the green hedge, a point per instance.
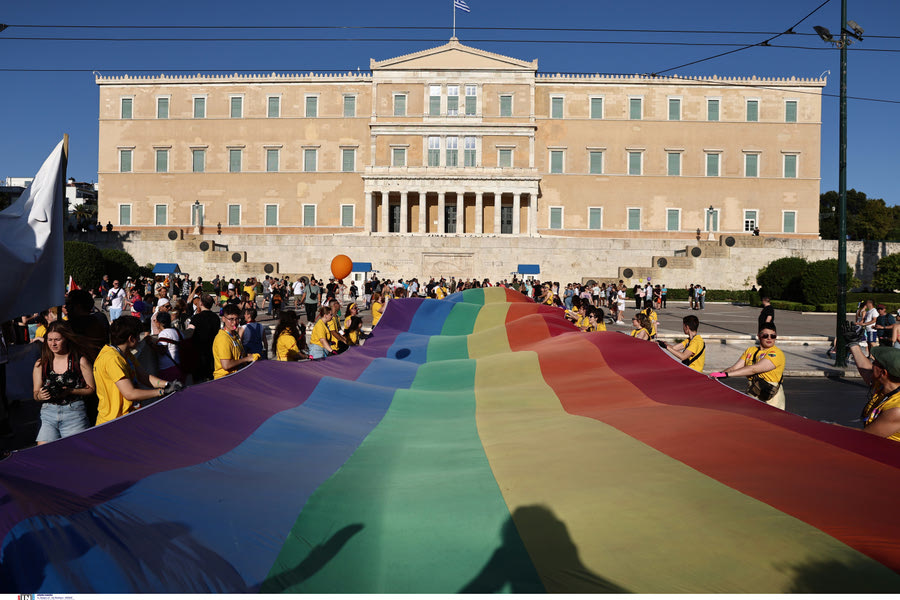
(84, 262)
(782, 278)
(795, 306)
(118, 264)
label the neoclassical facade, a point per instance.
(458, 141)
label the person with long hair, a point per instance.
(377, 308)
(289, 340)
(44, 319)
(642, 326)
(320, 339)
(62, 377)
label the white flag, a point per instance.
(461, 5)
(31, 243)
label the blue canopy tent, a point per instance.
(362, 267)
(166, 269)
(528, 269)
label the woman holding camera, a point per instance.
(62, 377)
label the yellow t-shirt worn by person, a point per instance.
(286, 348)
(697, 345)
(225, 346)
(319, 332)
(377, 307)
(112, 366)
(753, 355)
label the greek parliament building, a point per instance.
(462, 143)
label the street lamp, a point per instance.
(842, 43)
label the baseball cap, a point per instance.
(162, 302)
(889, 358)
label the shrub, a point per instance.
(820, 281)
(887, 273)
(118, 264)
(780, 279)
(786, 305)
(84, 263)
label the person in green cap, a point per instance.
(881, 371)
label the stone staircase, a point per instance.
(213, 253)
(687, 258)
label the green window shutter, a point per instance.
(347, 215)
(674, 164)
(595, 218)
(674, 109)
(400, 105)
(790, 111)
(555, 217)
(452, 105)
(348, 160)
(469, 158)
(125, 214)
(127, 108)
(234, 215)
(274, 109)
(162, 161)
(125, 161)
(471, 102)
(751, 168)
(162, 108)
(271, 215)
(198, 159)
(712, 165)
(505, 157)
(199, 108)
(634, 219)
(309, 160)
(790, 165)
(434, 157)
(272, 160)
(596, 160)
(349, 106)
(634, 163)
(309, 215)
(398, 158)
(234, 161)
(556, 161)
(312, 106)
(161, 214)
(556, 108)
(635, 108)
(790, 222)
(596, 108)
(434, 106)
(452, 157)
(752, 110)
(673, 220)
(712, 110)
(237, 107)
(506, 106)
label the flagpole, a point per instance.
(453, 2)
(62, 191)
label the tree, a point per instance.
(119, 264)
(887, 273)
(84, 263)
(780, 279)
(819, 281)
(867, 218)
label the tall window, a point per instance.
(634, 219)
(635, 108)
(237, 107)
(753, 110)
(198, 161)
(712, 165)
(504, 157)
(556, 161)
(596, 108)
(399, 105)
(635, 161)
(273, 110)
(234, 160)
(234, 215)
(309, 215)
(348, 160)
(674, 109)
(398, 157)
(346, 215)
(124, 214)
(434, 100)
(271, 215)
(595, 160)
(712, 109)
(162, 108)
(162, 161)
(310, 159)
(197, 215)
(471, 100)
(452, 100)
(556, 107)
(312, 106)
(673, 164)
(434, 151)
(595, 218)
(125, 161)
(272, 156)
(673, 219)
(161, 214)
(790, 111)
(349, 106)
(749, 220)
(556, 217)
(199, 108)
(452, 152)
(790, 166)
(127, 108)
(470, 157)
(506, 105)
(751, 165)
(789, 221)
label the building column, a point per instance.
(385, 212)
(479, 209)
(367, 224)
(498, 202)
(460, 212)
(423, 211)
(404, 208)
(442, 202)
(532, 214)
(517, 208)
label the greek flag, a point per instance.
(461, 5)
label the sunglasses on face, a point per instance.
(768, 336)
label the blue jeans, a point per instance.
(58, 421)
(316, 351)
(114, 313)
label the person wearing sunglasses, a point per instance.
(763, 367)
(881, 371)
(228, 351)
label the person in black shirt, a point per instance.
(206, 326)
(767, 314)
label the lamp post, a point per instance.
(842, 43)
(710, 212)
(198, 217)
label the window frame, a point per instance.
(314, 152)
(343, 154)
(345, 98)
(158, 153)
(707, 155)
(591, 208)
(591, 153)
(194, 105)
(677, 212)
(747, 156)
(453, 112)
(122, 154)
(561, 211)
(784, 165)
(473, 96)
(640, 215)
(796, 104)
(403, 152)
(231, 155)
(748, 227)
(511, 105)
(165, 215)
(239, 215)
(562, 160)
(129, 207)
(429, 151)
(718, 101)
(306, 105)
(435, 111)
(451, 144)
(240, 106)
(314, 215)
(163, 100)
(352, 208)
(669, 155)
(130, 100)
(269, 98)
(591, 107)
(784, 214)
(470, 151)
(404, 96)
(508, 151)
(194, 152)
(672, 99)
(628, 155)
(269, 152)
(747, 103)
(640, 105)
(266, 208)
(553, 105)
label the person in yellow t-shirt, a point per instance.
(881, 371)
(654, 321)
(338, 341)
(595, 319)
(351, 333)
(250, 288)
(763, 367)
(377, 308)
(117, 375)
(228, 351)
(290, 338)
(641, 324)
(692, 350)
(320, 338)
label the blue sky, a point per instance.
(38, 105)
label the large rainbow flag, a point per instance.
(473, 444)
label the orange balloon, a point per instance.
(341, 266)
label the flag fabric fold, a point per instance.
(461, 5)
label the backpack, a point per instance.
(188, 354)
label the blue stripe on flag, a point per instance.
(461, 5)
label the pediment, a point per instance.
(454, 56)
